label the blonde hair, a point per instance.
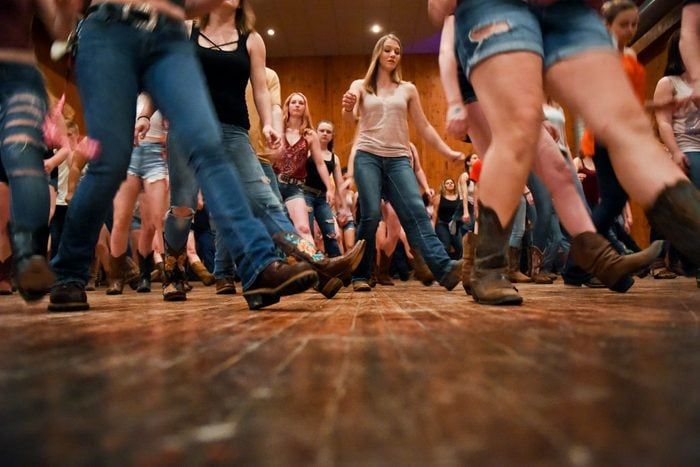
(370, 81)
(306, 122)
(244, 18)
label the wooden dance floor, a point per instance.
(404, 375)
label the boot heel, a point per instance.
(34, 278)
(623, 285)
(258, 301)
(330, 288)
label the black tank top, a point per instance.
(313, 179)
(227, 75)
(447, 208)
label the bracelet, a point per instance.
(144, 116)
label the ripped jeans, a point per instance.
(322, 212)
(22, 148)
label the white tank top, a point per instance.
(686, 125)
(156, 132)
(384, 124)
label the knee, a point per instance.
(304, 230)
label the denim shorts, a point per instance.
(147, 162)
(555, 32)
(349, 225)
(291, 191)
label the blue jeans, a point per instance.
(694, 172)
(612, 196)
(114, 62)
(272, 176)
(257, 187)
(22, 111)
(322, 212)
(451, 242)
(518, 231)
(393, 178)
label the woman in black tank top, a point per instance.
(315, 190)
(446, 204)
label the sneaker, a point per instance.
(68, 297)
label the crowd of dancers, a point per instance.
(191, 150)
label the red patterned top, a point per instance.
(293, 163)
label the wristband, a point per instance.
(144, 116)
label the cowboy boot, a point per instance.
(131, 273)
(421, 270)
(117, 271)
(468, 243)
(383, 275)
(202, 273)
(6, 276)
(676, 216)
(536, 274)
(489, 283)
(33, 275)
(91, 284)
(514, 273)
(279, 279)
(226, 286)
(595, 255)
(145, 267)
(174, 274)
(294, 245)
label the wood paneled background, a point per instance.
(324, 80)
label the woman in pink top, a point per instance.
(381, 103)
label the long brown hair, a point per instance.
(370, 81)
(244, 18)
(306, 122)
(612, 8)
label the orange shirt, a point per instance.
(475, 171)
(637, 76)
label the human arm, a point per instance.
(689, 45)
(463, 189)
(261, 94)
(664, 119)
(340, 199)
(59, 16)
(78, 162)
(456, 118)
(351, 100)
(439, 9)
(425, 129)
(146, 109)
(56, 160)
(418, 171)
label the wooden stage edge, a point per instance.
(403, 375)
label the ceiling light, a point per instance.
(270, 32)
(376, 29)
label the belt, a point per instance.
(313, 191)
(141, 16)
(290, 180)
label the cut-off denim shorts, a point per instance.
(147, 162)
(485, 28)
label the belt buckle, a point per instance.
(145, 9)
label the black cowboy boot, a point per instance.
(32, 272)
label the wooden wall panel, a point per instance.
(324, 80)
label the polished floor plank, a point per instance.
(403, 375)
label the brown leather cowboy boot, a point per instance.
(595, 255)
(489, 283)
